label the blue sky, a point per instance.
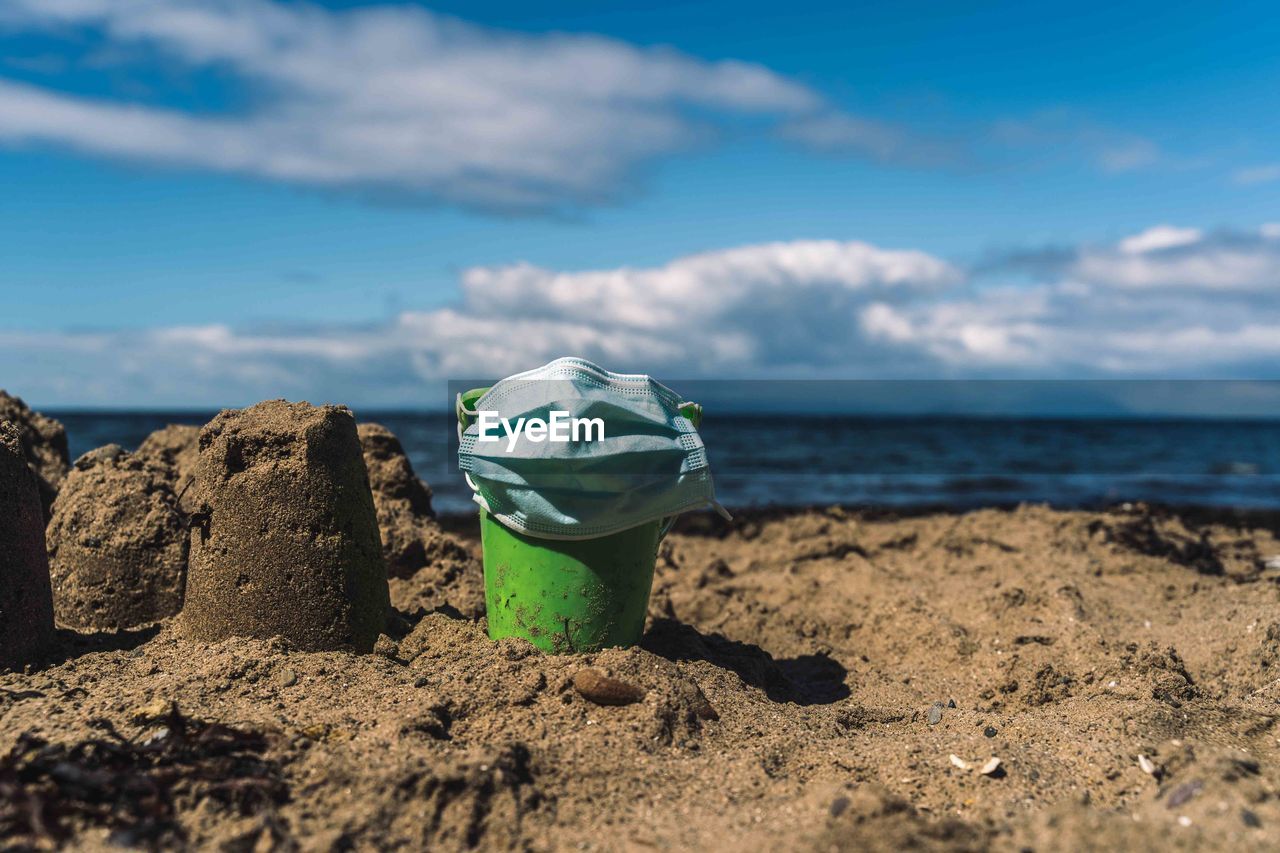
(210, 202)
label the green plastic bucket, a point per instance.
(568, 596)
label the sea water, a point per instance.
(948, 461)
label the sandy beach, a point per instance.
(818, 679)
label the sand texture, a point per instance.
(411, 538)
(26, 605)
(117, 543)
(285, 539)
(44, 446)
(821, 680)
(176, 447)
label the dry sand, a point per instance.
(411, 538)
(285, 538)
(811, 680)
(44, 444)
(816, 680)
(26, 600)
(117, 543)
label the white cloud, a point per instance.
(772, 307)
(1257, 174)
(396, 99)
(782, 279)
(1160, 237)
(1167, 302)
(1166, 257)
(816, 308)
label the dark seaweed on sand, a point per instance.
(134, 788)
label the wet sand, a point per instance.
(804, 682)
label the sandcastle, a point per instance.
(43, 443)
(177, 447)
(117, 543)
(26, 603)
(285, 537)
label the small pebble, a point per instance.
(287, 678)
(153, 710)
(992, 765)
(1148, 766)
(594, 686)
(951, 703)
(1273, 563)
(841, 804)
(989, 731)
(1250, 819)
(386, 647)
(935, 713)
(421, 681)
(957, 761)
(1183, 793)
(702, 708)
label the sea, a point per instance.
(886, 461)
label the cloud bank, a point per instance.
(1168, 303)
(397, 100)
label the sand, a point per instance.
(117, 543)
(411, 538)
(26, 606)
(44, 444)
(285, 538)
(804, 683)
(176, 447)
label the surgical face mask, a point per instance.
(572, 451)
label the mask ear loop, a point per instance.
(693, 413)
(460, 409)
(670, 521)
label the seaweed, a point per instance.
(135, 788)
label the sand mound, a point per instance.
(454, 586)
(117, 543)
(411, 539)
(1196, 797)
(429, 568)
(286, 539)
(26, 606)
(868, 818)
(44, 445)
(177, 446)
(391, 473)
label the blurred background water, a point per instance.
(889, 461)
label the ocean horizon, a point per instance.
(884, 460)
